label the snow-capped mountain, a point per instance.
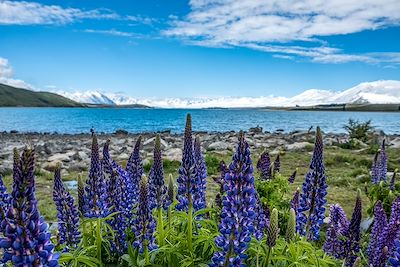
(377, 92)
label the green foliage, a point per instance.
(358, 130)
(380, 192)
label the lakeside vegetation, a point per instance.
(347, 168)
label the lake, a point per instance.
(108, 120)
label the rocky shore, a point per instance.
(73, 151)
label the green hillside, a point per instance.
(18, 97)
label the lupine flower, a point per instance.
(220, 181)
(261, 221)
(81, 195)
(200, 177)
(26, 241)
(264, 166)
(291, 226)
(273, 229)
(379, 165)
(144, 223)
(4, 201)
(338, 227)
(353, 235)
(380, 222)
(186, 180)
(119, 200)
(311, 212)
(237, 215)
(385, 242)
(292, 177)
(171, 189)
(134, 168)
(393, 180)
(357, 262)
(395, 259)
(67, 213)
(96, 189)
(158, 190)
(277, 164)
(295, 202)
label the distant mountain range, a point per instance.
(17, 97)
(377, 92)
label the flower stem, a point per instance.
(146, 252)
(160, 226)
(98, 240)
(268, 256)
(190, 224)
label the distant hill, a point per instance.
(18, 97)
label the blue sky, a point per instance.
(198, 48)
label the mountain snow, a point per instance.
(376, 92)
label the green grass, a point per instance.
(346, 171)
(17, 97)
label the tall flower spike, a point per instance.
(380, 223)
(264, 166)
(393, 180)
(385, 244)
(354, 233)
(67, 213)
(262, 220)
(220, 181)
(186, 179)
(96, 189)
(144, 222)
(237, 215)
(171, 189)
(273, 229)
(294, 203)
(158, 190)
(26, 241)
(200, 177)
(293, 177)
(338, 226)
(291, 226)
(379, 166)
(311, 212)
(4, 202)
(81, 195)
(277, 164)
(134, 168)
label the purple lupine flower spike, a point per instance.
(295, 202)
(238, 211)
(385, 242)
(338, 227)
(96, 189)
(277, 164)
(261, 221)
(67, 213)
(264, 166)
(380, 223)
(4, 202)
(144, 222)
(158, 190)
(395, 259)
(375, 169)
(26, 241)
(81, 195)
(379, 166)
(292, 177)
(353, 234)
(200, 167)
(311, 211)
(384, 162)
(220, 181)
(186, 180)
(393, 180)
(134, 167)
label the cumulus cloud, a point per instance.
(6, 76)
(266, 25)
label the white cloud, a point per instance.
(112, 32)
(267, 25)
(6, 76)
(28, 13)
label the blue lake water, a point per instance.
(80, 120)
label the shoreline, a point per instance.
(73, 150)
